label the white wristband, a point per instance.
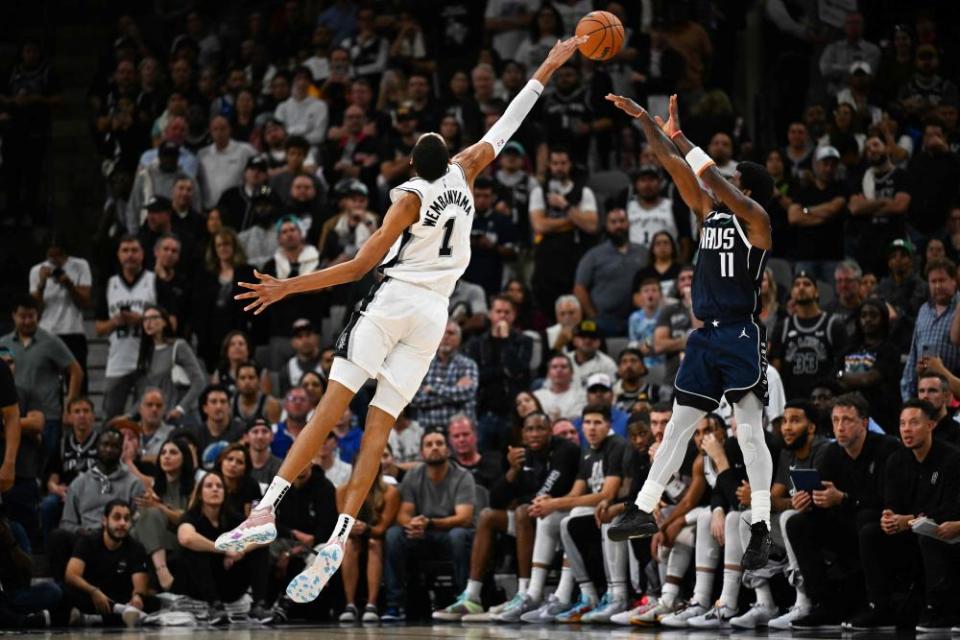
(698, 160)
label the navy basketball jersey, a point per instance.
(726, 282)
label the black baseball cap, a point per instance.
(168, 148)
(257, 162)
(158, 203)
(803, 273)
(303, 324)
(587, 329)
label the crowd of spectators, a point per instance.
(269, 140)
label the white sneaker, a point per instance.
(547, 612)
(518, 605)
(679, 618)
(640, 606)
(655, 614)
(311, 581)
(132, 616)
(717, 618)
(757, 616)
(782, 623)
(607, 608)
(259, 528)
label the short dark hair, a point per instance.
(929, 373)
(649, 280)
(81, 400)
(661, 407)
(430, 432)
(602, 409)
(26, 301)
(129, 237)
(853, 399)
(536, 413)
(482, 182)
(808, 408)
(756, 178)
(109, 431)
(640, 417)
(942, 264)
(249, 364)
(502, 297)
(297, 142)
(925, 407)
(113, 504)
(430, 157)
(211, 388)
(632, 351)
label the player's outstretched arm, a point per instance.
(476, 157)
(691, 192)
(751, 214)
(402, 213)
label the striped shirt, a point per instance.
(931, 331)
(440, 397)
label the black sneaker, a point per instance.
(934, 620)
(281, 611)
(873, 618)
(758, 551)
(261, 613)
(820, 618)
(37, 620)
(633, 523)
(394, 614)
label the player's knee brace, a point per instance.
(348, 374)
(388, 398)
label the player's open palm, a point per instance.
(672, 125)
(264, 294)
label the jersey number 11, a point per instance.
(726, 264)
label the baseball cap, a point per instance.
(405, 113)
(861, 66)
(587, 329)
(349, 186)
(158, 203)
(257, 162)
(514, 147)
(168, 148)
(302, 324)
(259, 422)
(827, 152)
(647, 170)
(803, 273)
(901, 244)
(599, 380)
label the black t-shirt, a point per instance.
(606, 460)
(860, 478)
(111, 570)
(874, 233)
(825, 241)
(248, 493)
(207, 529)
(550, 472)
(311, 508)
(486, 265)
(884, 397)
(73, 457)
(487, 471)
(208, 445)
(8, 397)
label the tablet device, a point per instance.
(806, 479)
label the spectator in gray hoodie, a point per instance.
(87, 495)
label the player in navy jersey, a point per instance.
(727, 356)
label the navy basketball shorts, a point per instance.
(723, 359)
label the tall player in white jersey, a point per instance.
(423, 247)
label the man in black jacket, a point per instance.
(935, 389)
(922, 478)
(852, 472)
(544, 465)
(503, 357)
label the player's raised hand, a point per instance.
(562, 51)
(672, 125)
(628, 106)
(264, 294)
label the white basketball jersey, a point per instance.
(645, 223)
(125, 341)
(435, 251)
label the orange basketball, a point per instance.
(604, 33)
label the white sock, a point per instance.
(564, 590)
(275, 492)
(802, 601)
(649, 495)
(538, 575)
(523, 584)
(730, 593)
(760, 507)
(703, 587)
(342, 531)
(765, 596)
(473, 589)
(669, 593)
(589, 590)
(619, 590)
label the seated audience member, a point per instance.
(468, 307)
(587, 358)
(435, 518)
(450, 386)
(933, 388)
(22, 605)
(76, 453)
(921, 479)
(903, 288)
(543, 465)
(315, 385)
(524, 404)
(107, 480)
(376, 515)
(263, 464)
(871, 364)
(564, 429)
(106, 578)
(405, 439)
(830, 520)
(307, 355)
(600, 391)
(648, 300)
(573, 516)
(569, 313)
(674, 324)
(632, 391)
(162, 505)
(241, 491)
(235, 350)
(342, 235)
(296, 405)
(209, 575)
(218, 428)
(392, 473)
(250, 402)
(336, 470)
(487, 467)
(153, 430)
(348, 436)
(665, 265)
(306, 517)
(560, 397)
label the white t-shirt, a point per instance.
(568, 404)
(600, 363)
(220, 170)
(307, 118)
(506, 42)
(645, 223)
(60, 314)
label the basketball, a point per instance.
(604, 33)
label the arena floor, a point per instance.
(419, 632)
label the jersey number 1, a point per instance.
(445, 249)
(726, 264)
